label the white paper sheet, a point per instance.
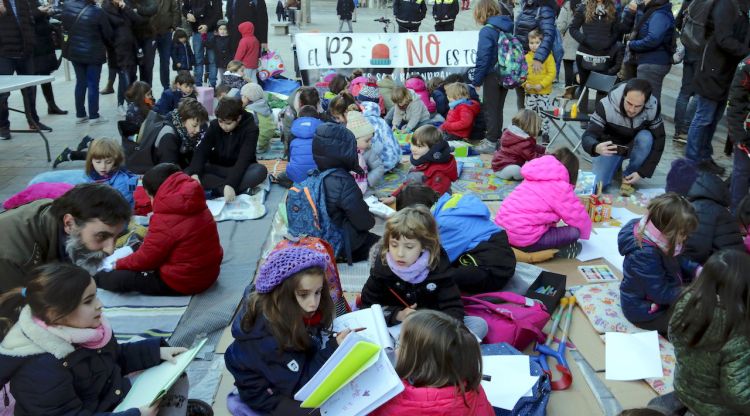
(632, 356)
(651, 192)
(215, 206)
(511, 379)
(623, 214)
(109, 262)
(602, 244)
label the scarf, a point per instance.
(454, 104)
(187, 144)
(414, 274)
(314, 320)
(600, 10)
(652, 234)
(89, 338)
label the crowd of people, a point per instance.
(689, 252)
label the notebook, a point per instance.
(372, 319)
(355, 380)
(152, 384)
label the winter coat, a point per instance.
(433, 401)
(265, 375)
(415, 113)
(649, 276)
(36, 241)
(17, 32)
(248, 50)
(390, 149)
(386, 85)
(717, 228)
(167, 17)
(206, 12)
(86, 38)
(445, 10)
(543, 198)
(738, 107)
(545, 77)
(45, 58)
(420, 88)
(234, 150)
(301, 160)
(409, 11)
(596, 37)
(253, 11)
(334, 147)
(49, 376)
(232, 80)
(345, 9)
(463, 222)
(123, 180)
(461, 117)
(540, 14)
(437, 292)
(441, 101)
(263, 116)
(182, 55)
(222, 51)
(488, 267)
(375, 168)
(610, 122)
(182, 240)
(724, 50)
(438, 167)
(122, 21)
(653, 41)
(711, 382)
(516, 148)
(563, 23)
(487, 46)
(169, 101)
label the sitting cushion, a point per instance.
(534, 257)
(36, 191)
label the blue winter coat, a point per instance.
(169, 100)
(653, 43)
(300, 149)
(266, 375)
(487, 46)
(463, 222)
(88, 35)
(383, 137)
(441, 101)
(538, 15)
(123, 180)
(182, 53)
(648, 277)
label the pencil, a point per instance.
(398, 297)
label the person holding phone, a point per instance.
(627, 123)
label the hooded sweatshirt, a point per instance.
(415, 113)
(264, 120)
(248, 50)
(182, 241)
(539, 202)
(463, 222)
(301, 160)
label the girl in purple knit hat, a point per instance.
(278, 335)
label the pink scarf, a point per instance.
(89, 338)
(652, 234)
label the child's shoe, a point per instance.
(569, 251)
(85, 142)
(64, 156)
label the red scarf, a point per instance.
(314, 320)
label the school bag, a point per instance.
(536, 404)
(140, 154)
(331, 271)
(511, 60)
(693, 34)
(510, 317)
(307, 214)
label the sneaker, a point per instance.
(569, 251)
(81, 120)
(62, 157)
(626, 189)
(5, 133)
(97, 121)
(486, 147)
(85, 142)
(197, 407)
(711, 166)
(680, 138)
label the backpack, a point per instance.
(511, 60)
(307, 214)
(139, 154)
(511, 317)
(693, 35)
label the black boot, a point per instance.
(62, 157)
(49, 96)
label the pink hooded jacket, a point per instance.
(432, 401)
(539, 202)
(417, 85)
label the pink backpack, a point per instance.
(511, 318)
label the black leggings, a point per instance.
(493, 101)
(148, 283)
(660, 324)
(570, 75)
(215, 177)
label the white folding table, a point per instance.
(10, 83)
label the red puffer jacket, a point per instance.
(516, 148)
(460, 119)
(439, 176)
(432, 401)
(182, 240)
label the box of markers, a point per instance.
(548, 288)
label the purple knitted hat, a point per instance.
(283, 263)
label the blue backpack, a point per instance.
(307, 214)
(511, 60)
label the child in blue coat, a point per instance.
(183, 58)
(280, 335)
(301, 160)
(104, 163)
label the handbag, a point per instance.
(510, 317)
(66, 35)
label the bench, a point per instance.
(280, 28)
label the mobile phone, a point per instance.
(621, 150)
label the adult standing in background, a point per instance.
(253, 11)
(156, 34)
(409, 14)
(344, 10)
(203, 16)
(45, 58)
(445, 12)
(541, 15)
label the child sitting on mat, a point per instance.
(462, 113)
(409, 112)
(518, 146)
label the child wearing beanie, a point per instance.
(281, 333)
(367, 152)
(254, 100)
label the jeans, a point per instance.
(477, 326)
(684, 108)
(740, 177)
(554, 237)
(200, 62)
(702, 129)
(654, 74)
(149, 46)
(87, 78)
(20, 66)
(348, 23)
(126, 77)
(604, 167)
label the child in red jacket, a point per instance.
(461, 114)
(518, 145)
(181, 254)
(248, 50)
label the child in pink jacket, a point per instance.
(417, 84)
(248, 50)
(531, 212)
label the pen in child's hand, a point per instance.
(399, 297)
(335, 334)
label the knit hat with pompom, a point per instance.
(282, 264)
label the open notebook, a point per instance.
(355, 380)
(372, 319)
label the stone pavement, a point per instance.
(23, 157)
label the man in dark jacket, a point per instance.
(409, 14)
(156, 34)
(738, 111)
(445, 12)
(627, 121)
(16, 56)
(81, 227)
(345, 10)
(253, 11)
(728, 30)
(203, 16)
